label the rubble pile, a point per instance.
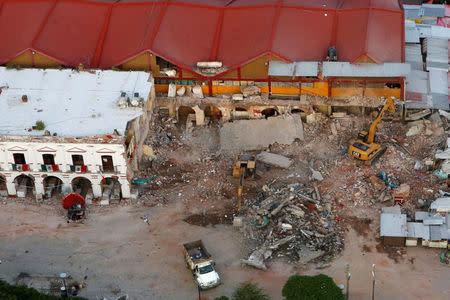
(292, 221)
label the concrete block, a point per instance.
(274, 159)
(104, 202)
(259, 134)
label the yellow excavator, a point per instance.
(244, 168)
(364, 148)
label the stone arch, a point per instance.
(270, 112)
(52, 186)
(111, 188)
(82, 186)
(213, 113)
(183, 114)
(25, 185)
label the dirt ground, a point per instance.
(193, 196)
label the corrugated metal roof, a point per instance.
(413, 56)
(392, 209)
(412, 11)
(433, 220)
(435, 233)
(417, 82)
(420, 215)
(418, 230)
(304, 68)
(346, 69)
(438, 82)
(445, 232)
(393, 225)
(412, 34)
(433, 10)
(440, 203)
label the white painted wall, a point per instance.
(62, 152)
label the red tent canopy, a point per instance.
(71, 199)
(106, 33)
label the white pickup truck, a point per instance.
(200, 262)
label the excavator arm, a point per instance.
(388, 105)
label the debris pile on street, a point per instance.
(293, 221)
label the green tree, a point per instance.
(222, 298)
(22, 292)
(320, 287)
(249, 291)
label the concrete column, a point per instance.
(125, 188)
(199, 116)
(66, 188)
(172, 110)
(10, 186)
(39, 186)
(96, 189)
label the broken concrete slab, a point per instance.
(274, 159)
(237, 97)
(316, 175)
(250, 90)
(259, 134)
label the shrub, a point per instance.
(222, 298)
(320, 287)
(22, 292)
(249, 291)
(40, 125)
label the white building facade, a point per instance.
(39, 158)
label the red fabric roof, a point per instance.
(106, 33)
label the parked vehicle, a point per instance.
(201, 263)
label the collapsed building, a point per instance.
(66, 130)
(273, 56)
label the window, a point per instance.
(19, 158)
(107, 163)
(49, 159)
(77, 160)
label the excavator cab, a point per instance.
(365, 148)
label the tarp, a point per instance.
(106, 33)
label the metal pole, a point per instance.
(199, 296)
(373, 281)
(347, 268)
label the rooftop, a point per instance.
(393, 225)
(70, 103)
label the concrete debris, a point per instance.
(169, 72)
(197, 91)
(416, 129)
(316, 175)
(298, 226)
(259, 134)
(249, 90)
(237, 97)
(274, 159)
(444, 114)
(440, 154)
(172, 92)
(181, 91)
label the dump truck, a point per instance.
(201, 263)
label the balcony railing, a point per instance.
(78, 168)
(49, 168)
(20, 167)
